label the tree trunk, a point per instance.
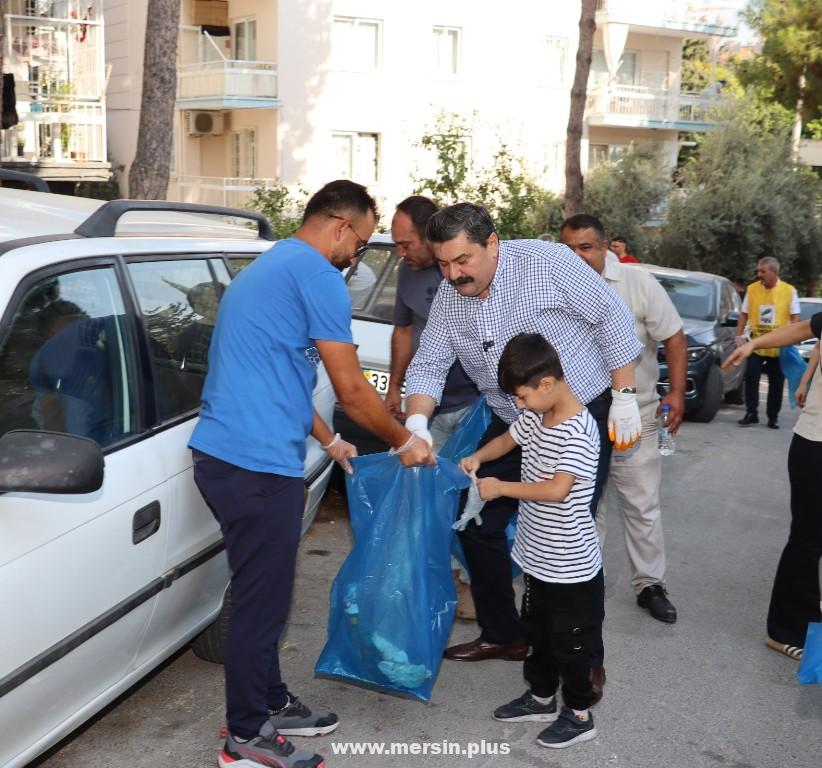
(3, 10)
(796, 133)
(579, 93)
(148, 176)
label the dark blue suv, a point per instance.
(709, 307)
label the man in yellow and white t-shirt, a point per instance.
(769, 304)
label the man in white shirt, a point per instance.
(637, 472)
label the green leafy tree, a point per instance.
(740, 199)
(282, 208)
(625, 193)
(789, 68)
(519, 206)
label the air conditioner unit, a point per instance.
(204, 123)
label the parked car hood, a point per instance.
(700, 331)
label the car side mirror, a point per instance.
(49, 462)
(731, 319)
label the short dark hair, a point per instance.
(584, 221)
(526, 360)
(619, 239)
(340, 196)
(472, 219)
(419, 209)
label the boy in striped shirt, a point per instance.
(556, 543)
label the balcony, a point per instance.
(670, 17)
(227, 84)
(219, 190)
(633, 106)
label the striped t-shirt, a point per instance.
(557, 541)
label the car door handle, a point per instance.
(146, 522)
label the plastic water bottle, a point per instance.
(666, 441)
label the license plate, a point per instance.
(378, 379)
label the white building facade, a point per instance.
(303, 93)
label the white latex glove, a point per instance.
(341, 451)
(418, 425)
(624, 423)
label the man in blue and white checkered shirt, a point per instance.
(492, 291)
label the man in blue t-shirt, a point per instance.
(283, 314)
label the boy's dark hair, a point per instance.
(338, 197)
(619, 239)
(526, 359)
(419, 209)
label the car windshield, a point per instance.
(692, 298)
(807, 309)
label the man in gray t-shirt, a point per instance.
(417, 283)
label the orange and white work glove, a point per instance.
(418, 424)
(624, 423)
(341, 451)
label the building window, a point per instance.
(601, 153)
(556, 60)
(244, 153)
(245, 39)
(356, 156)
(554, 160)
(446, 51)
(626, 74)
(356, 44)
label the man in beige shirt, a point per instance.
(637, 472)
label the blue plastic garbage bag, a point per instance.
(810, 668)
(793, 366)
(464, 441)
(393, 600)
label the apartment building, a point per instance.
(54, 62)
(304, 92)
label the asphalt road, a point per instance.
(703, 693)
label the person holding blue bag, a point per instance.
(796, 594)
(278, 319)
(556, 542)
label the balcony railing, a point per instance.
(227, 84)
(218, 190)
(636, 107)
(705, 18)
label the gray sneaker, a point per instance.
(567, 730)
(527, 708)
(268, 749)
(296, 719)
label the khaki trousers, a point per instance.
(635, 476)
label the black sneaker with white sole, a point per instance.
(568, 729)
(296, 719)
(527, 709)
(268, 749)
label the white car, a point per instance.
(109, 558)
(808, 307)
(373, 288)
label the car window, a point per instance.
(66, 364)
(807, 309)
(178, 301)
(692, 298)
(373, 285)
(238, 264)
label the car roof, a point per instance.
(41, 214)
(683, 273)
(811, 299)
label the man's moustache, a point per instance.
(461, 281)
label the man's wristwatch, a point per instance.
(627, 390)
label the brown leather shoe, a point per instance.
(597, 683)
(480, 650)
